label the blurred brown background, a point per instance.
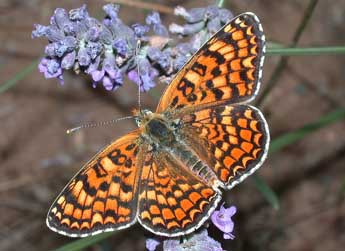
(38, 158)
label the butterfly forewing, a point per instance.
(232, 140)
(225, 70)
(103, 195)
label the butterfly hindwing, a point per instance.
(172, 201)
(233, 140)
(103, 195)
(226, 69)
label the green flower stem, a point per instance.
(19, 76)
(266, 191)
(291, 137)
(288, 139)
(309, 51)
(84, 242)
(220, 3)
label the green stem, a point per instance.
(291, 137)
(308, 51)
(19, 76)
(220, 3)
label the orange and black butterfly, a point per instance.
(204, 136)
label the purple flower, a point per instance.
(112, 10)
(79, 13)
(161, 57)
(51, 68)
(68, 60)
(120, 45)
(94, 49)
(106, 50)
(140, 30)
(222, 220)
(196, 242)
(211, 18)
(84, 58)
(151, 244)
(147, 75)
(154, 20)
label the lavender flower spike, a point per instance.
(222, 220)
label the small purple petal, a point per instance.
(187, 29)
(133, 76)
(50, 68)
(112, 10)
(68, 60)
(212, 11)
(83, 57)
(108, 83)
(140, 30)
(179, 62)
(225, 15)
(79, 13)
(192, 16)
(222, 220)
(94, 65)
(109, 64)
(153, 18)
(121, 47)
(97, 75)
(160, 30)
(214, 25)
(52, 34)
(228, 236)
(151, 244)
(94, 49)
(61, 17)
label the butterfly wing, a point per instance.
(232, 140)
(173, 202)
(226, 69)
(103, 195)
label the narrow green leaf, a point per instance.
(309, 51)
(266, 191)
(298, 134)
(19, 76)
(288, 139)
(84, 242)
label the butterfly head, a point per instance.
(142, 116)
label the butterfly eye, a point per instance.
(176, 123)
(138, 121)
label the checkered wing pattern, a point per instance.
(232, 140)
(103, 195)
(227, 69)
(172, 201)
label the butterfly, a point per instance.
(203, 137)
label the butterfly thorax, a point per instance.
(156, 128)
(162, 135)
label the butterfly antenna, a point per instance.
(102, 123)
(138, 69)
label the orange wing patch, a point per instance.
(103, 195)
(233, 140)
(171, 200)
(225, 70)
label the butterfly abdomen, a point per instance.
(193, 162)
